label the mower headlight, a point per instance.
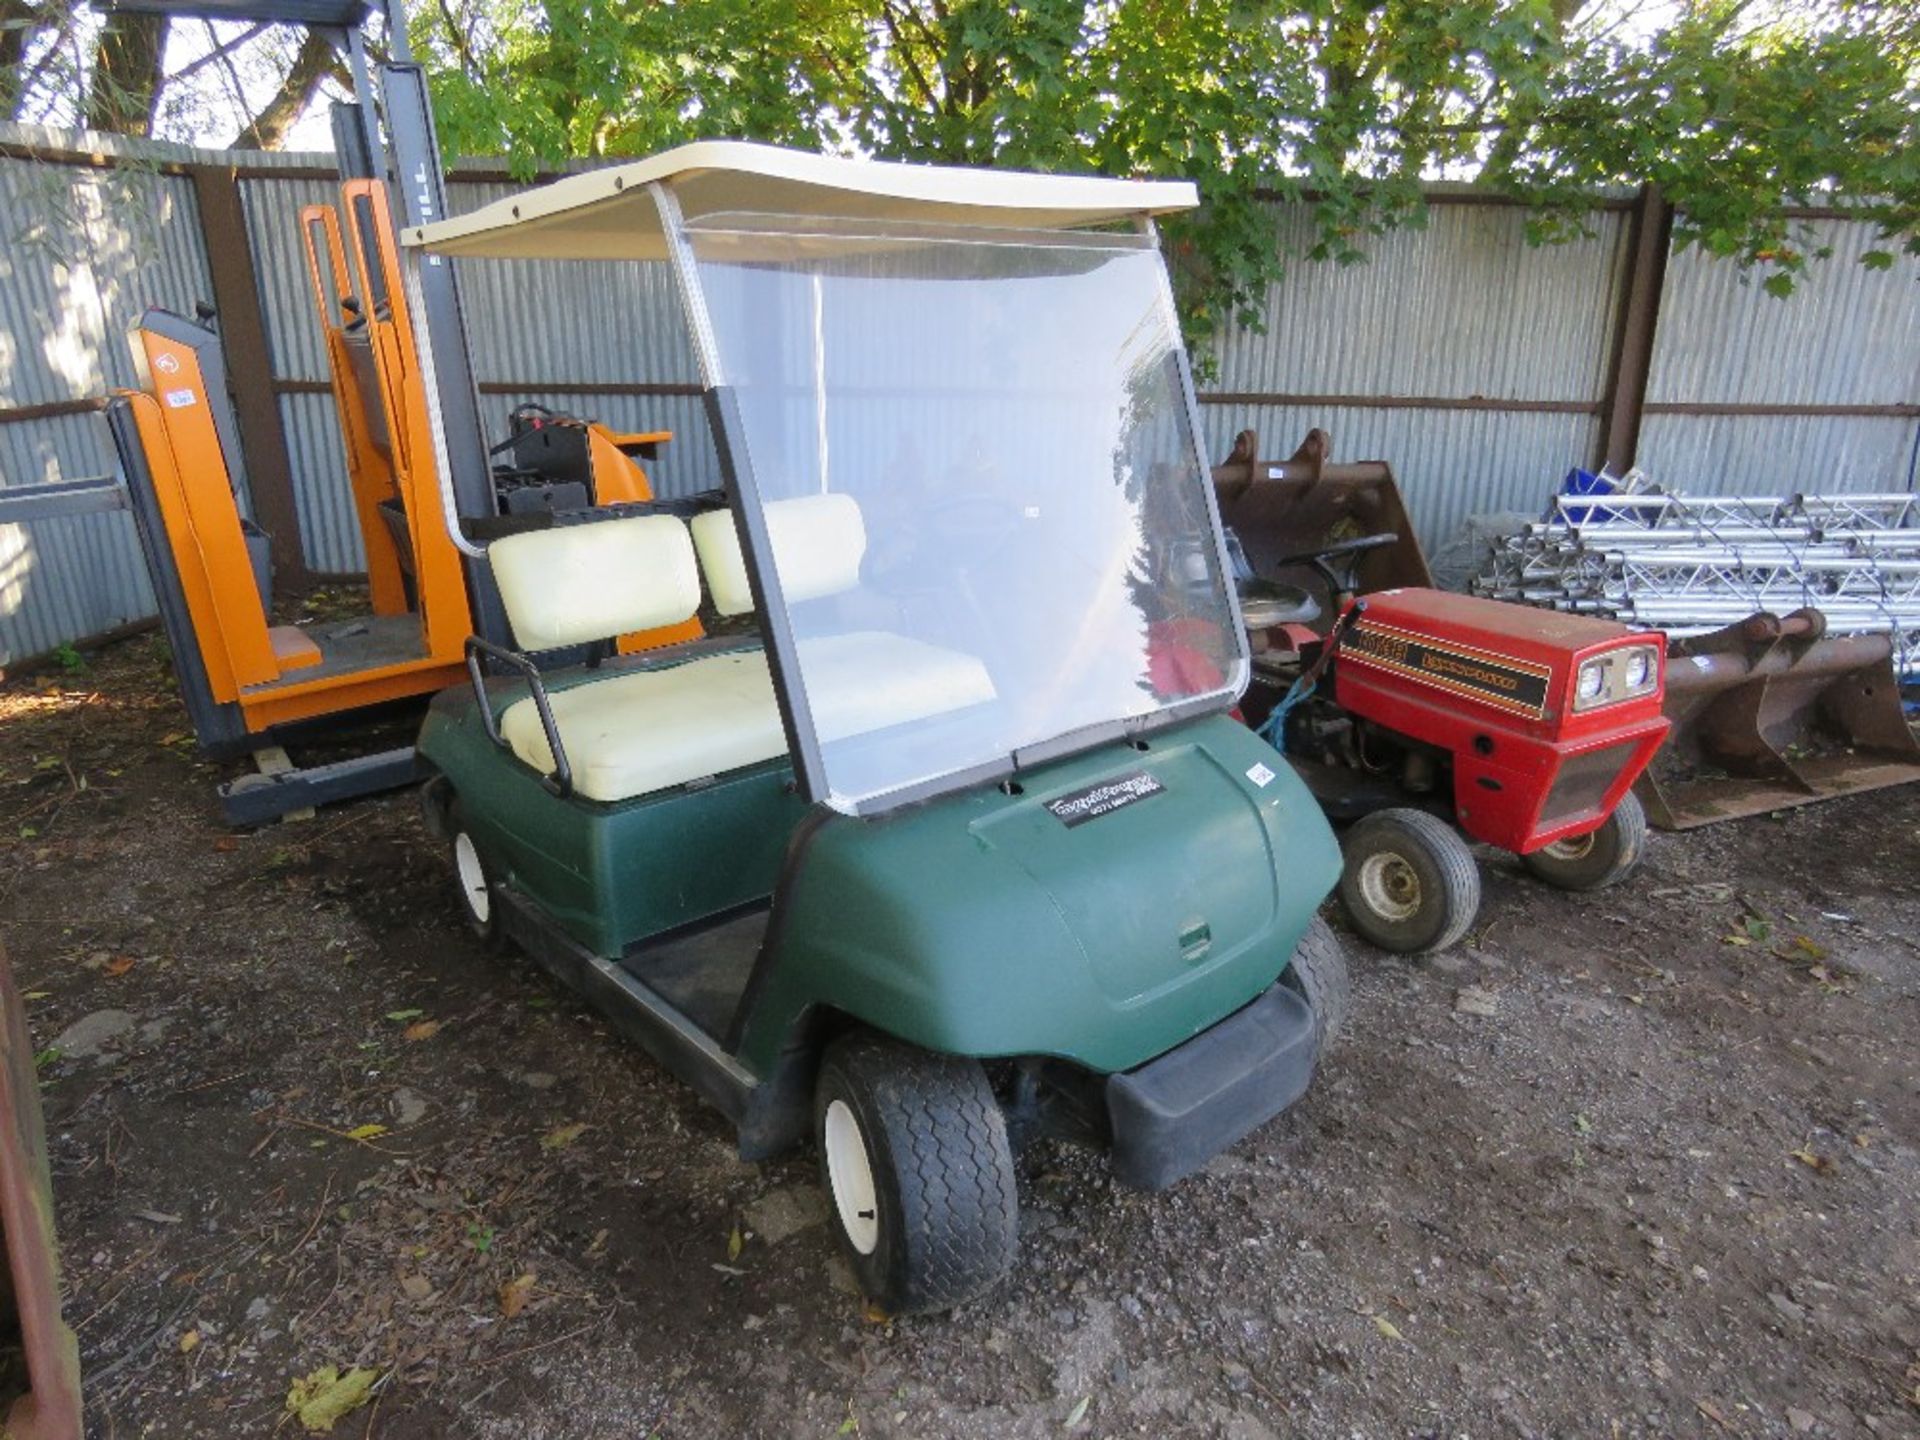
(1623, 674)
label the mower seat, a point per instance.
(630, 732)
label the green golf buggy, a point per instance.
(943, 834)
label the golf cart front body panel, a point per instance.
(998, 924)
(613, 875)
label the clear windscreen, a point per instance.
(987, 506)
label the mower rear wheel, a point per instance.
(918, 1172)
(1318, 974)
(1409, 883)
(1598, 859)
(475, 889)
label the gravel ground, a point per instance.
(1645, 1163)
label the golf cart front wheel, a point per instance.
(473, 882)
(1599, 858)
(1318, 974)
(1408, 882)
(918, 1172)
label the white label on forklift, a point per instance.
(180, 399)
(1261, 776)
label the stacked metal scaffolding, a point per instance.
(1687, 564)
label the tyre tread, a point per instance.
(1318, 974)
(1457, 871)
(948, 1139)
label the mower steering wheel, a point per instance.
(1341, 581)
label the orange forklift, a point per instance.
(248, 683)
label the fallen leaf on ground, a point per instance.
(319, 1399)
(421, 1030)
(1387, 1328)
(189, 1342)
(398, 1015)
(226, 844)
(562, 1136)
(158, 1217)
(1079, 1411)
(366, 1132)
(515, 1294)
(1713, 1413)
(416, 1287)
(1818, 1163)
(736, 1242)
(119, 965)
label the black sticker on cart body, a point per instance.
(1104, 798)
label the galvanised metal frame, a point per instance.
(1688, 564)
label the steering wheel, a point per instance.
(1339, 581)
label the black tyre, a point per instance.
(1409, 883)
(918, 1173)
(1599, 859)
(475, 889)
(1318, 974)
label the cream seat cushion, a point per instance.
(646, 730)
(818, 543)
(577, 583)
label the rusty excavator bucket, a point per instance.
(1280, 508)
(39, 1361)
(1772, 712)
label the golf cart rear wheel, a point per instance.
(1409, 884)
(1595, 860)
(918, 1172)
(1318, 974)
(474, 888)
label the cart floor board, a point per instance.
(705, 973)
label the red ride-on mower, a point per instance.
(1416, 711)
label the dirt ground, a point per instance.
(1645, 1163)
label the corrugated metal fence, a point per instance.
(1481, 366)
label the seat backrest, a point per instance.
(575, 583)
(818, 543)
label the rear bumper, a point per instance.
(1172, 1115)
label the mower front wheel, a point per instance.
(1599, 858)
(918, 1172)
(1409, 883)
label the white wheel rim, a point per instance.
(1390, 886)
(473, 878)
(850, 1173)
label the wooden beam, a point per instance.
(1622, 407)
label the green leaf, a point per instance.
(1779, 285)
(1877, 259)
(318, 1400)
(399, 1015)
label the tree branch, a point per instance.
(312, 64)
(127, 59)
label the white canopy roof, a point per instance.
(609, 215)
